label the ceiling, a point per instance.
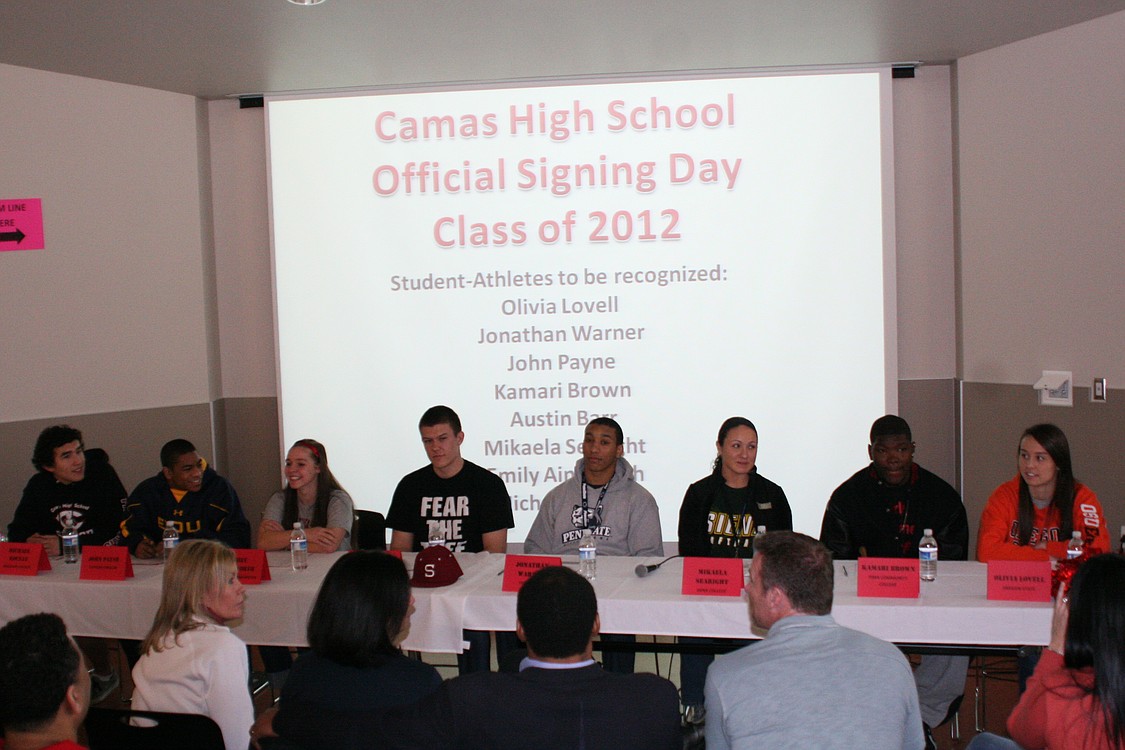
(217, 48)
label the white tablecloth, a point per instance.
(950, 610)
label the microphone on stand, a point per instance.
(643, 570)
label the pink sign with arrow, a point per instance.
(21, 224)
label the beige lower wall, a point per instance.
(247, 446)
(132, 439)
(930, 407)
(249, 450)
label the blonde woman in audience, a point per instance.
(190, 661)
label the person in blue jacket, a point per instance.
(200, 503)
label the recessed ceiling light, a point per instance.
(306, 2)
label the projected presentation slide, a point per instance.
(667, 253)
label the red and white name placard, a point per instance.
(518, 568)
(252, 566)
(21, 559)
(106, 564)
(1019, 580)
(712, 576)
(891, 577)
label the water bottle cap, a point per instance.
(929, 532)
(297, 526)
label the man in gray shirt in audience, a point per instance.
(810, 682)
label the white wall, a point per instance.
(1042, 196)
(111, 315)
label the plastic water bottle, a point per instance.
(588, 556)
(171, 539)
(1074, 546)
(927, 556)
(69, 542)
(1123, 540)
(298, 548)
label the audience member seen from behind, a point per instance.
(189, 493)
(1043, 503)
(355, 667)
(44, 686)
(1075, 700)
(810, 683)
(719, 517)
(190, 660)
(313, 497)
(561, 698)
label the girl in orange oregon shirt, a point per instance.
(1042, 504)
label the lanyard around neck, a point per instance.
(596, 519)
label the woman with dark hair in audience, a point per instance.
(190, 661)
(1076, 698)
(355, 666)
(719, 517)
(312, 496)
(1043, 503)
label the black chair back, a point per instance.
(112, 729)
(370, 530)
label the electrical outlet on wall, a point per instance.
(1055, 388)
(1097, 391)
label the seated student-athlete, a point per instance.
(719, 517)
(882, 511)
(1043, 503)
(603, 496)
(470, 503)
(561, 698)
(80, 486)
(44, 687)
(70, 484)
(200, 503)
(311, 496)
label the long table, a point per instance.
(951, 611)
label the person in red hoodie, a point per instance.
(1043, 503)
(1076, 697)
